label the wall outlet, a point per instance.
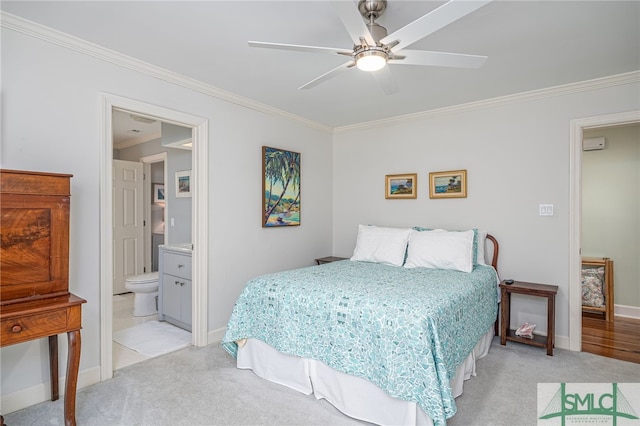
(546, 210)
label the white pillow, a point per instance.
(441, 250)
(381, 245)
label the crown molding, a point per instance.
(50, 35)
(135, 141)
(565, 89)
(59, 38)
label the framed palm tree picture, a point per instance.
(280, 187)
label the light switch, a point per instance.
(172, 222)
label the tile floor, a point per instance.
(123, 318)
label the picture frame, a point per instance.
(449, 184)
(158, 193)
(403, 186)
(280, 187)
(183, 184)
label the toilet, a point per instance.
(145, 289)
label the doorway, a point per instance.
(140, 337)
(199, 217)
(577, 128)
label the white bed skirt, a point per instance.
(344, 391)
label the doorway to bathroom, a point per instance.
(197, 216)
(144, 150)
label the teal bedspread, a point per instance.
(406, 330)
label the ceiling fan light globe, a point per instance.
(371, 61)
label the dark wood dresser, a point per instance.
(34, 271)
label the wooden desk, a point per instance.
(48, 317)
(34, 271)
(531, 289)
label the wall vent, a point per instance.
(593, 144)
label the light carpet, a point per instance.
(153, 338)
(202, 386)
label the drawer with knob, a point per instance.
(22, 329)
(176, 264)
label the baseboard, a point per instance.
(40, 393)
(215, 336)
(626, 311)
(562, 342)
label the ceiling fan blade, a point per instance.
(386, 81)
(432, 22)
(439, 59)
(354, 23)
(301, 48)
(326, 76)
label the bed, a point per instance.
(388, 336)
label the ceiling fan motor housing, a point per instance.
(372, 9)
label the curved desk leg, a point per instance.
(73, 363)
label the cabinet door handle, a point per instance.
(16, 328)
(181, 284)
(180, 265)
(177, 282)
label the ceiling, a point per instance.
(132, 129)
(530, 44)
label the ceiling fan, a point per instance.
(374, 48)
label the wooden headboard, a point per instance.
(494, 263)
(496, 249)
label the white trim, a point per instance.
(42, 392)
(582, 86)
(106, 239)
(627, 311)
(200, 223)
(200, 233)
(216, 336)
(136, 141)
(577, 127)
(50, 35)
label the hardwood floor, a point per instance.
(618, 339)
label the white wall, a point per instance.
(611, 207)
(516, 155)
(179, 209)
(51, 122)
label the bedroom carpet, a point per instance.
(201, 386)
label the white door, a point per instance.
(128, 223)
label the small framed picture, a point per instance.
(401, 186)
(183, 184)
(452, 184)
(158, 193)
